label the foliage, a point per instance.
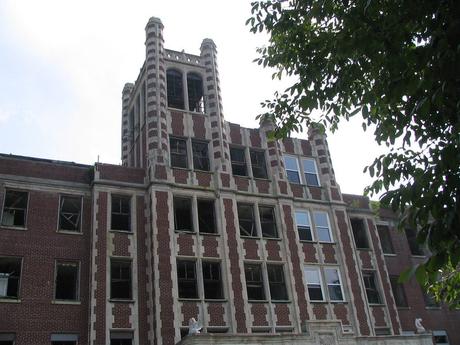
(396, 63)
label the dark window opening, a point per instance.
(183, 214)
(121, 338)
(61, 343)
(398, 292)
(10, 274)
(200, 155)
(175, 88)
(121, 213)
(206, 219)
(315, 291)
(277, 283)
(359, 233)
(415, 247)
(195, 93)
(66, 281)
(246, 220)
(238, 162)
(254, 282)
(259, 168)
(267, 222)
(120, 284)
(382, 331)
(385, 239)
(7, 338)
(178, 149)
(212, 281)
(15, 208)
(70, 213)
(370, 285)
(186, 279)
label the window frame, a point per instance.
(80, 215)
(25, 210)
(254, 232)
(18, 279)
(186, 279)
(179, 156)
(194, 156)
(376, 289)
(415, 248)
(316, 269)
(77, 281)
(389, 241)
(255, 284)
(331, 237)
(190, 200)
(398, 291)
(361, 240)
(304, 226)
(340, 284)
(241, 164)
(130, 280)
(8, 337)
(128, 199)
(297, 171)
(315, 173)
(255, 163)
(175, 97)
(275, 227)
(206, 280)
(276, 283)
(193, 77)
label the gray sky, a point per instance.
(63, 65)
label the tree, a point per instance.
(396, 63)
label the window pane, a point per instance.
(371, 288)
(15, 208)
(183, 214)
(238, 162)
(175, 89)
(66, 281)
(311, 177)
(322, 226)
(312, 276)
(69, 213)
(303, 226)
(259, 169)
(333, 284)
(195, 92)
(120, 279)
(246, 220)
(277, 284)
(10, 273)
(200, 155)
(206, 218)
(385, 239)
(186, 279)
(290, 163)
(212, 282)
(267, 222)
(359, 233)
(254, 282)
(178, 149)
(121, 215)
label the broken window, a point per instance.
(398, 292)
(183, 214)
(10, 274)
(254, 281)
(186, 279)
(120, 275)
(7, 338)
(259, 168)
(238, 161)
(246, 220)
(415, 247)
(206, 220)
(302, 219)
(334, 286)
(175, 89)
(323, 230)
(200, 155)
(66, 287)
(212, 280)
(178, 149)
(267, 221)
(310, 172)
(121, 213)
(359, 233)
(314, 285)
(195, 93)
(15, 208)
(70, 213)
(292, 169)
(63, 339)
(121, 338)
(277, 283)
(373, 296)
(385, 239)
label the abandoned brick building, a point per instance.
(204, 219)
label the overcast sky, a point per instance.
(63, 65)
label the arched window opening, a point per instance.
(175, 89)
(195, 93)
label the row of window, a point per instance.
(116, 338)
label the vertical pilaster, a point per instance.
(126, 136)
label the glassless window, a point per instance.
(10, 274)
(398, 292)
(66, 287)
(385, 239)
(334, 286)
(415, 247)
(178, 149)
(195, 93)
(120, 279)
(246, 220)
(254, 282)
(15, 208)
(183, 214)
(186, 279)
(302, 219)
(121, 338)
(370, 285)
(292, 169)
(310, 172)
(322, 226)
(212, 281)
(238, 161)
(200, 155)
(259, 168)
(206, 220)
(315, 291)
(70, 213)
(121, 213)
(267, 221)
(359, 233)
(276, 282)
(175, 89)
